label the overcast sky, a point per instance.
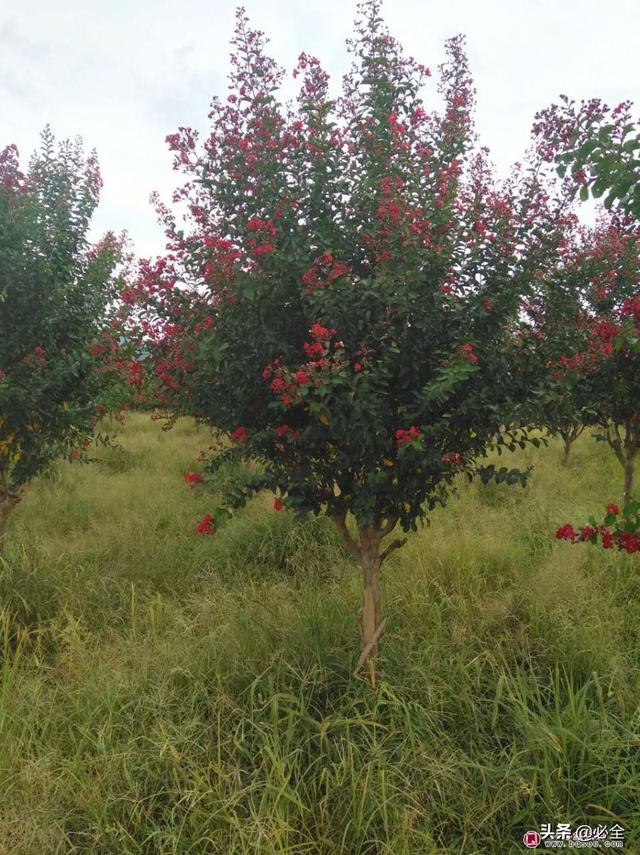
(124, 73)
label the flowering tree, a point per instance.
(58, 344)
(596, 147)
(343, 292)
(557, 324)
(606, 366)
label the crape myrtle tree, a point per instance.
(556, 323)
(343, 292)
(607, 364)
(555, 326)
(59, 339)
(597, 147)
(597, 150)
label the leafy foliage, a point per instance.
(59, 337)
(597, 148)
(345, 288)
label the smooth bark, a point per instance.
(625, 447)
(366, 550)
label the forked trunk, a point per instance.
(366, 551)
(569, 436)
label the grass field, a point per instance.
(164, 692)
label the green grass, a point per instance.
(163, 692)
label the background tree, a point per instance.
(596, 147)
(59, 323)
(597, 150)
(601, 363)
(343, 291)
(556, 323)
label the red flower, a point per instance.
(404, 436)
(263, 249)
(357, 367)
(587, 532)
(321, 333)
(629, 542)
(281, 430)
(192, 478)
(314, 349)
(240, 434)
(205, 525)
(278, 504)
(279, 385)
(466, 352)
(566, 532)
(302, 377)
(613, 509)
(452, 457)
(607, 539)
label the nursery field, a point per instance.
(165, 692)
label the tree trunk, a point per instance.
(569, 436)
(625, 449)
(366, 551)
(370, 562)
(628, 479)
(7, 503)
(630, 451)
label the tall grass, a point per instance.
(163, 692)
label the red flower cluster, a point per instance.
(262, 249)
(587, 532)
(465, 351)
(255, 224)
(192, 478)
(324, 271)
(205, 526)
(240, 434)
(452, 457)
(313, 349)
(207, 322)
(320, 333)
(627, 541)
(404, 436)
(632, 307)
(278, 504)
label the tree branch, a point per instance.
(388, 527)
(366, 651)
(340, 521)
(395, 544)
(616, 444)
